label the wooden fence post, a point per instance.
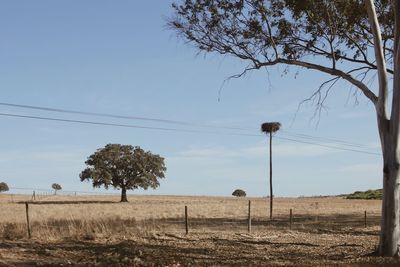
(186, 220)
(365, 219)
(290, 219)
(249, 218)
(27, 219)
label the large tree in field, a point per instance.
(124, 167)
(348, 39)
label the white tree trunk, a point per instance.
(389, 134)
(390, 228)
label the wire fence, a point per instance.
(189, 220)
(38, 193)
(22, 190)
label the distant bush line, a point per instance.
(369, 194)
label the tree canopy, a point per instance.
(331, 36)
(3, 187)
(239, 193)
(56, 186)
(124, 167)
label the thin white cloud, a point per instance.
(231, 171)
(353, 115)
(44, 154)
(302, 150)
(373, 145)
(288, 149)
(208, 152)
(40, 164)
(365, 168)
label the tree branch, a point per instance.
(395, 114)
(235, 76)
(381, 105)
(335, 72)
(319, 97)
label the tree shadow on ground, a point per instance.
(211, 241)
(215, 251)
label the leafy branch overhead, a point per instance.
(330, 36)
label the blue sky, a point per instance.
(118, 57)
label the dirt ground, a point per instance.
(271, 248)
(325, 232)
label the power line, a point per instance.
(338, 141)
(90, 113)
(120, 125)
(328, 146)
(175, 130)
(177, 122)
(116, 116)
(62, 191)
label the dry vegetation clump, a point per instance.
(12, 231)
(63, 216)
(267, 248)
(149, 231)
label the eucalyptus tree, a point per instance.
(349, 40)
(124, 167)
(269, 128)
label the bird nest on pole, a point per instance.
(270, 127)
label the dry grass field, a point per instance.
(150, 231)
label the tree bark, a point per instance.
(390, 230)
(123, 195)
(271, 197)
(389, 135)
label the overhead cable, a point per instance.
(175, 130)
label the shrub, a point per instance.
(239, 193)
(369, 194)
(12, 231)
(3, 187)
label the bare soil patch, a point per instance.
(149, 231)
(270, 248)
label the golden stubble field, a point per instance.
(150, 231)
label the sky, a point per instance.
(118, 57)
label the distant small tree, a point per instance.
(239, 193)
(125, 167)
(3, 187)
(56, 187)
